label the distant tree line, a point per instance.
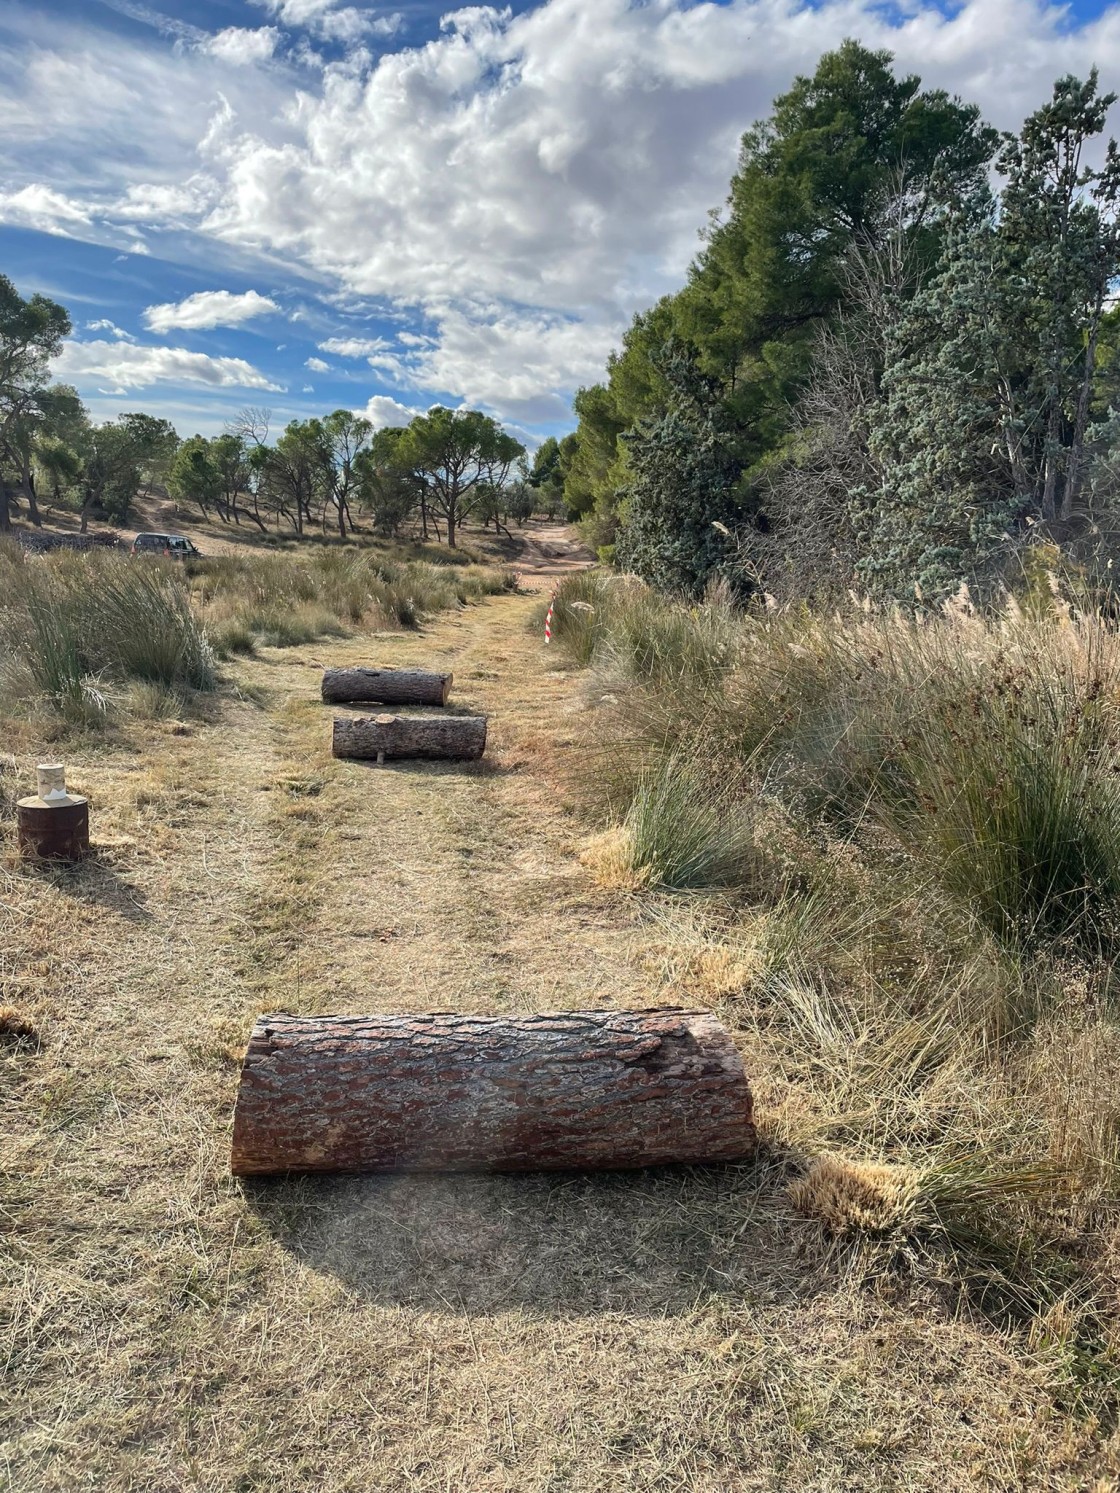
(330, 473)
(881, 373)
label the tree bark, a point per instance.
(580, 1090)
(386, 686)
(385, 737)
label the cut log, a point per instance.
(386, 686)
(583, 1090)
(381, 738)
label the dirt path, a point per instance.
(172, 1330)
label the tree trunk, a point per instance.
(33, 513)
(1081, 421)
(382, 738)
(386, 686)
(581, 1090)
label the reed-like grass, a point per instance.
(919, 826)
(78, 626)
(281, 600)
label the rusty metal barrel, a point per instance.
(53, 825)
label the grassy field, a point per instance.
(166, 1328)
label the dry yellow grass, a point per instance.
(166, 1328)
(855, 1197)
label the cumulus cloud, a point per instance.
(557, 165)
(330, 21)
(354, 347)
(125, 366)
(243, 45)
(381, 410)
(317, 365)
(517, 186)
(39, 206)
(208, 308)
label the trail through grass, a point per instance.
(165, 1328)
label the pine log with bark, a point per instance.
(386, 686)
(582, 1090)
(387, 737)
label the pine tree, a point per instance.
(681, 503)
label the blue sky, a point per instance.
(307, 204)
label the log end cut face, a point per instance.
(580, 1090)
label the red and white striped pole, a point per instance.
(548, 617)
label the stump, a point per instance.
(53, 831)
(382, 738)
(386, 686)
(583, 1090)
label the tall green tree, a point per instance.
(31, 333)
(112, 463)
(680, 507)
(989, 384)
(345, 436)
(194, 476)
(456, 454)
(811, 184)
(156, 441)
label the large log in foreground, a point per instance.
(581, 1090)
(386, 686)
(381, 738)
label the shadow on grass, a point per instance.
(96, 882)
(655, 1242)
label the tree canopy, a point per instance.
(905, 371)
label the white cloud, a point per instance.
(125, 366)
(208, 308)
(330, 21)
(381, 410)
(242, 45)
(354, 347)
(165, 204)
(308, 389)
(39, 206)
(554, 167)
(104, 325)
(317, 365)
(517, 186)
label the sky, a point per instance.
(303, 205)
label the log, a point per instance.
(583, 1090)
(386, 686)
(382, 738)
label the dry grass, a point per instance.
(166, 1328)
(856, 1197)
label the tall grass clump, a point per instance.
(685, 834)
(918, 823)
(282, 600)
(76, 626)
(144, 627)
